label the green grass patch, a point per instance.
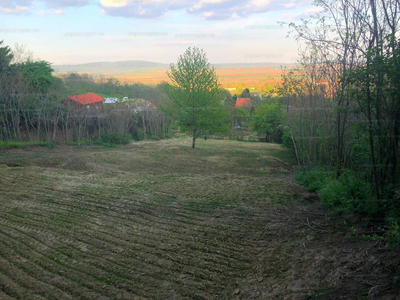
(16, 144)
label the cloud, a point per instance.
(58, 4)
(16, 7)
(205, 9)
(24, 6)
(172, 43)
(15, 10)
(59, 12)
(114, 3)
(48, 12)
(304, 14)
(43, 12)
(142, 9)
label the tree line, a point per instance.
(342, 106)
(31, 109)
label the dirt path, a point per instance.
(159, 220)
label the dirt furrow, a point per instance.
(83, 276)
(218, 259)
(15, 279)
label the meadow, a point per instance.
(159, 220)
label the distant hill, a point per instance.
(122, 67)
(249, 65)
(118, 67)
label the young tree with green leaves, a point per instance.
(195, 94)
(267, 120)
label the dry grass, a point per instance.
(159, 220)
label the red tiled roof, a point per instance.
(87, 98)
(242, 101)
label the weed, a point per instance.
(393, 235)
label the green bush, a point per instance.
(314, 179)
(287, 141)
(349, 193)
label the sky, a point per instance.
(84, 31)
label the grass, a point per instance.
(158, 220)
(17, 144)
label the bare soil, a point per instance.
(159, 220)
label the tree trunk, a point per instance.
(194, 138)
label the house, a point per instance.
(90, 101)
(256, 94)
(240, 102)
(115, 100)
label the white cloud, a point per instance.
(304, 14)
(68, 3)
(14, 10)
(15, 6)
(172, 43)
(114, 3)
(206, 9)
(43, 13)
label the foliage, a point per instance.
(267, 120)
(18, 144)
(245, 93)
(342, 105)
(37, 75)
(6, 57)
(314, 179)
(393, 234)
(349, 193)
(31, 106)
(287, 142)
(195, 94)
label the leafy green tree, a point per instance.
(196, 97)
(267, 120)
(37, 75)
(6, 56)
(240, 116)
(245, 93)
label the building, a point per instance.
(116, 100)
(240, 102)
(90, 101)
(256, 94)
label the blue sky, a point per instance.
(82, 31)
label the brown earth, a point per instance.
(159, 220)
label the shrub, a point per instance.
(393, 235)
(349, 193)
(314, 179)
(287, 141)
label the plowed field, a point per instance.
(159, 220)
